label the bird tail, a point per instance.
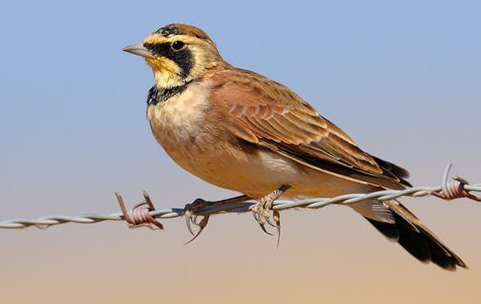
(398, 224)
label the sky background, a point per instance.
(403, 79)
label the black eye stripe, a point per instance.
(182, 57)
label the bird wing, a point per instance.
(268, 114)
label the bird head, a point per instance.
(177, 54)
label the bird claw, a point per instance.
(191, 217)
(270, 220)
(202, 224)
(276, 216)
(261, 210)
(191, 210)
(261, 214)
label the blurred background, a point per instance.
(403, 79)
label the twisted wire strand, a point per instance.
(168, 213)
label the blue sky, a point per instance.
(73, 104)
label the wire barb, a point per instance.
(454, 188)
(242, 204)
(139, 215)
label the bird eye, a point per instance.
(177, 45)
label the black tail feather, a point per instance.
(419, 242)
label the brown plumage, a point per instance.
(242, 131)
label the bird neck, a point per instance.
(158, 94)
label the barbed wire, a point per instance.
(242, 207)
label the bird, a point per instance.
(242, 131)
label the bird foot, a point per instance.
(262, 214)
(191, 210)
(191, 217)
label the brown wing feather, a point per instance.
(267, 113)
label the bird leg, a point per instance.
(190, 211)
(264, 205)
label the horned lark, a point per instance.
(242, 131)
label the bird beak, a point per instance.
(138, 49)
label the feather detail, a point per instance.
(277, 117)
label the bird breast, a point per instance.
(181, 117)
(179, 126)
